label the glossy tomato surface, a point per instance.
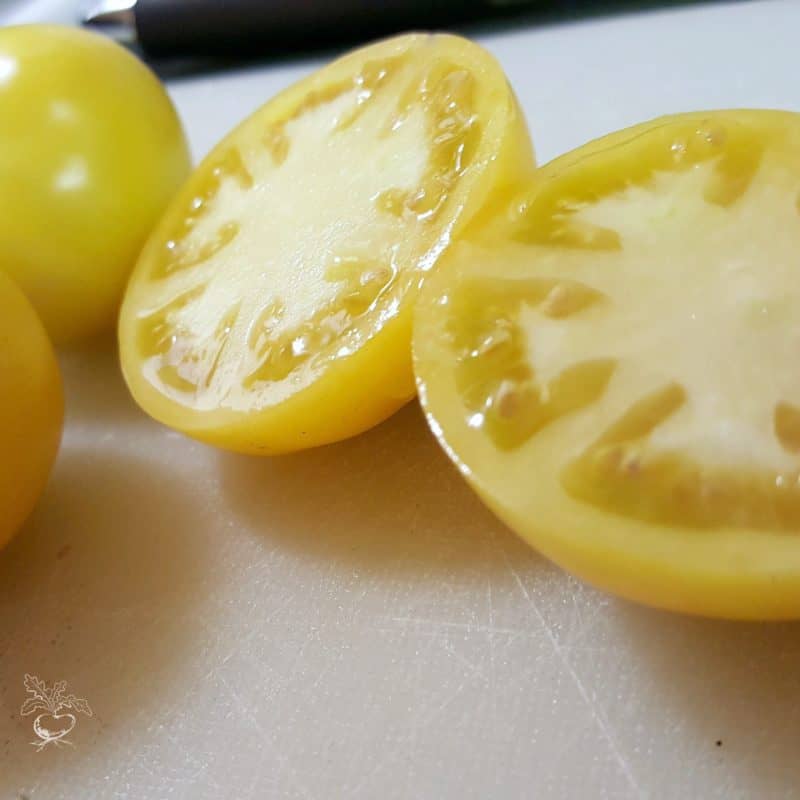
(91, 150)
(271, 309)
(613, 362)
(31, 408)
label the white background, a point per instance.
(350, 622)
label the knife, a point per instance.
(195, 27)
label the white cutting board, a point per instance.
(350, 622)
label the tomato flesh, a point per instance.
(612, 362)
(285, 269)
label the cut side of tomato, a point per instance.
(270, 310)
(612, 362)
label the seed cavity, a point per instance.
(393, 201)
(178, 252)
(622, 474)
(500, 390)
(277, 143)
(549, 216)
(787, 426)
(158, 331)
(447, 94)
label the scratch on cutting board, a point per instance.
(412, 737)
(423, 722)
(492, 670)
(594, 709)
(467, 627)
(474, 668)
(264, 737)
(242, 644)
(252, 789)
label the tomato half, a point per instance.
(31, 408)
(613, 362)
(91, 150)
(271, 309)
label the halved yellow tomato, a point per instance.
(271, 309)
(31, 408)
(614, 363)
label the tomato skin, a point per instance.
(31, 408)
(91, 150)
(729, 569)
(363, 389)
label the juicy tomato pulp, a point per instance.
(270, 310)
(31, 408)
(613, 362)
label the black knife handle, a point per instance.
(234, 26)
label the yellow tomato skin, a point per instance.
(729, 570)
(358, 391)
(91, 150)
(31, 408)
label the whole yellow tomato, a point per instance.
(31, 408)
(91, 150)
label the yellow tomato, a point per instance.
(613, 363)
(91, 150)
(31, 408)
(271, 309)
